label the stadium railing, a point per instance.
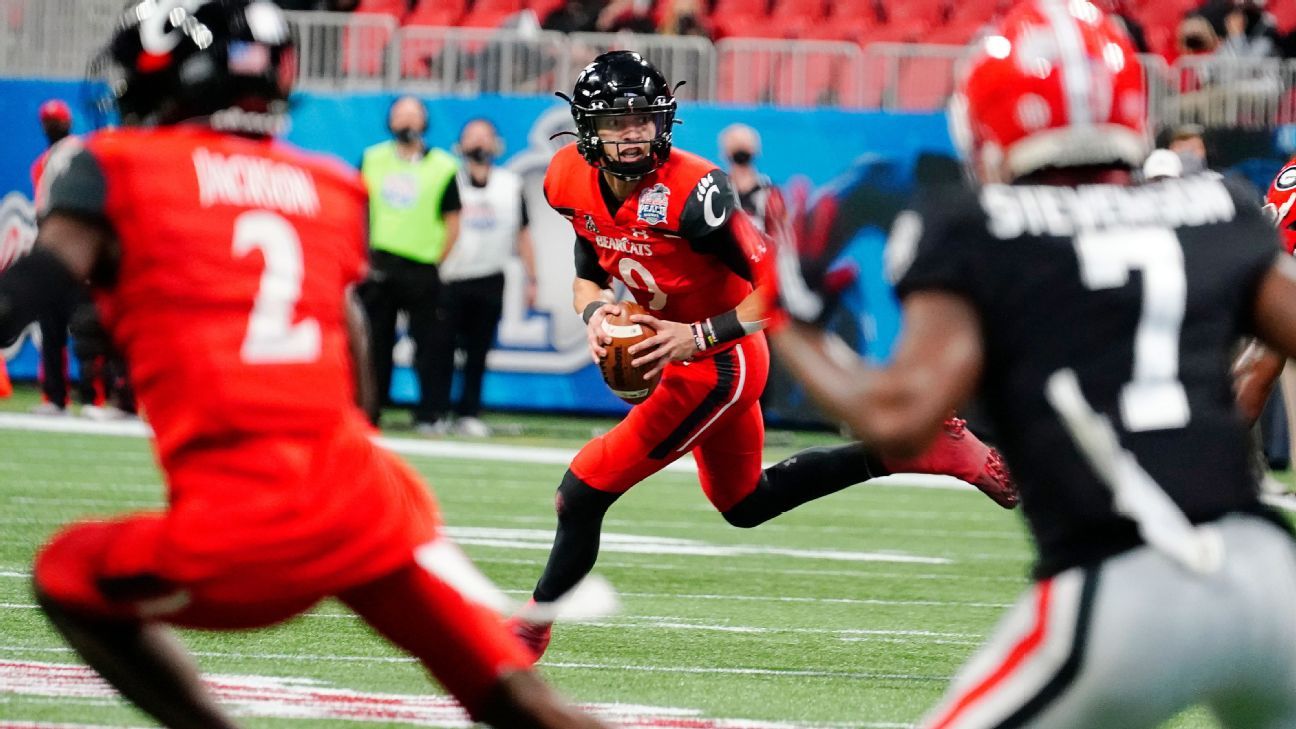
(57, 39)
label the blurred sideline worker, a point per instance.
(56, 122)
(413, 224)
(493, 224)
(757, 194)
(1097, 318)
(225, 261)
(665, 223)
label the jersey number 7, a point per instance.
(1154, 399)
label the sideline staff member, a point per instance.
(413, 223)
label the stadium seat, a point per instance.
(851, 30)
(977, 12)
(911, 31)
(364, 48)
(931, 12)
(746, 26)
(436, 12)
(811, 10)
(726, 9)
(952, 34)
(484, 7)
(1285, 13)
(853, 11)
(395, 8)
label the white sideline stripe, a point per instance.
(826, 600)
(720, 670)
(433, 449)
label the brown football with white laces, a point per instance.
(625, 380)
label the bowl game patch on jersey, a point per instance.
(653, 202)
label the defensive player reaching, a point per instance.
(665, 224)
(1098, 319)
(223, 259)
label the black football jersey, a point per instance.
(1145, 293)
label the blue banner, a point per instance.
(540, 360)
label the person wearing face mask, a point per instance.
(413, 224)
(1188, 141)
(493, 226)
(1244, 27)
(757, 194)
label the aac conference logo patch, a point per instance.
(653, 203)
(1286, 179)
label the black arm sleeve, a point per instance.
(526, 218)
(723, 243)
(74, 183)
(708, 207)
(450, 202)
(587, 265)
(934, 245)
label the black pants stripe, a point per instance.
(726, 379)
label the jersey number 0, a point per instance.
(1154, 399)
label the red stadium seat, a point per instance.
(851, 30)
(739, 8)
(953, 34)
(436, 12)
(746, 26)
(485, 7)
(485, 18)
(897, 32)
(931, 12)
(363, 49)
(805, 10)
(395, 8)
(977, 12)
(853, 11)
(746, 78)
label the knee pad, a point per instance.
(576, 499)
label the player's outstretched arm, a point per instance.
(66, 252)
(1274, 315)
(366, 385)
(522, 701)
(897, 409)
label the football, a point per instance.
(626, 381)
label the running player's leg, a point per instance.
(98, 585)
(464, 646)
(690, 400)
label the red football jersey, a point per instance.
(674, 241)
(228, 298)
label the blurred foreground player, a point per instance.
(223, 260)
(666, 224)
(1097, 318)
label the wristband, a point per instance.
(717, 330)
(590, 308)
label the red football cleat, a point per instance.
(959, 453)
(533, 636)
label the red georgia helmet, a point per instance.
(1281, 204)
(1059, 85)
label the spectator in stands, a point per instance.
(1162, 164)
(1189, 142)
(684, 17)
(573, 16)
(1244, 28)
(493, 225)
(1196, 36)
(413, 224)
(757, 195)
(1119, 11)
(633, 16)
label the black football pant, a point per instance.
(470, 313)
(398, 284)
(54, 326)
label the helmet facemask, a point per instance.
(597, 121)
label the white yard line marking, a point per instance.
(290, 698)
(428, 449)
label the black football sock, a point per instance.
(580, 510)
(806, 476)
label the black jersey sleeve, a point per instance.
(587, 265)
(74, 183)
(932, 245)
(450, 202)
(709, 206)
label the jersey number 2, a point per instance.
(1155, 398)
(272, 337)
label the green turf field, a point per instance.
(724, 623)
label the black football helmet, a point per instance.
(620, 83)
(230, 60)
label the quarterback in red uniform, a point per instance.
(223, 262)
(665, 224)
